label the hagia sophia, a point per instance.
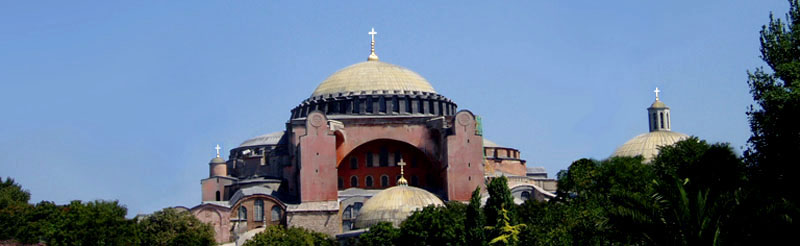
(373, 142)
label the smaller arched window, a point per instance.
(526, 195)
(258, 210)
(354, 181)
(661, 120)
(242, 213)
(276, 213)
(368, 181)
(218, 196)
(384, 181)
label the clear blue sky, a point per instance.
(126, 100)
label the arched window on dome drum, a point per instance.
(368, 181)
(258, 210)
(277, 213)
(420, 106)
(662, 120)
(369, 105)
(356, 105)
(395, 106)
(668, 121)
(408, 105)
(655, 120)
(440, 108)
(384, 181)
(218, 196)
(354, 181)
(382, 104)
(353, 163)
(431, 107)
(242, 213)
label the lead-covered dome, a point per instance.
(661, 134)
(394, 205)
(647, 144)
(373, 77)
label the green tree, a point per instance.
(435, 226)
(381, 234)
(93, 223)
(173, 227)
(280, 235)
(13, 206)
(499, 198)
(693, 197)
(474, 222)
(507, 234)
(775, 127)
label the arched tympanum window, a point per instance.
(354, 181)
(258, 210)
(242, 213)
(384, 181)
(276, 213)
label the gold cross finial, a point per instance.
(372, 55)
(402, 180)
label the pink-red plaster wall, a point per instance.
(464, 158)
(210, 186)
(417, 135)
(417, 165)
(317, 161)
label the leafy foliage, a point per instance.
(507, 234)
(474, 221)
(435, 226)
(381, 234)
(499, 198)
(173, 227)
(775, 127)
(280, 235)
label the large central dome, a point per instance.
(373, 77)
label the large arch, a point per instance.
(383, 156)
(417, 135)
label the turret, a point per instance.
(658, 115)
(217, 166)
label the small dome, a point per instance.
(395, 205)
(658, 104)
(647, 144)
(372, 76)
(217, 160)
(266, 139)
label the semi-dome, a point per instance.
(394, 205)
(647, 144)
(373, 77)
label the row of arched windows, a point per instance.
(369, 182)
(258, 212)
(659, 121)
(383, 159)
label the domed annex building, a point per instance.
(661, 134)
(337, 164)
